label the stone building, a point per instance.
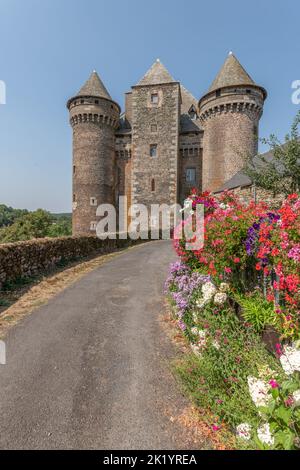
(164, 143)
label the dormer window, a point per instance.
(193, 113)
(218, 93)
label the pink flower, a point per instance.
(228, 270)
(289, 402)
(236, 260)
(216, 428)
(278, 349)
(274, 383)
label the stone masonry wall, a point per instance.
(230, 123)
(94, 122)
(155, 124)
(248, 193)
(29, 258)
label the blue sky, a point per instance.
(49, 48)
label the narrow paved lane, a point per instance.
(89, 369)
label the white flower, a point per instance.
(290, 359)
(296, 397)
(220, 298)
(195, 317)
(200, 303)
(224, 287)
(196, 349)
(243, 431)
(264, 434)
(258, 390)
(194, 330)
(223, 206)
(202, 338)
(208, 290)
(216, 344)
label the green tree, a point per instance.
(280, 174)
(8, 215)
(60, 228)
(32, 225)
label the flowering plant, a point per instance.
(281, 416)
(248, 245)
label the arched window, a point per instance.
(153, 184)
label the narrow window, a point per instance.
(93, 201)
(74, 197)
(218, 93)
(248, 91)
(154, 98)
(153, 150)
(153, 184)
(190, 175)
(74, 169)
(82, 101)
(191, 151)
(96, 101)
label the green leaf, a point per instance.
(284, 414)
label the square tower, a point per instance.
(156, 103)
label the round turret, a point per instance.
(94, 117)
(230, 114)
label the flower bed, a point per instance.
(251, 255)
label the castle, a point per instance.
(164, 143)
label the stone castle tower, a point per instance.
(164, 143)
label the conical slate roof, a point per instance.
(156, 75)
(94, 87)
(232, 73)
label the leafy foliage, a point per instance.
(281, 175)
(8, 215)
(37, 224)
(217, 380)
(257, 311)
(283, 415)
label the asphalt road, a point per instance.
(91, 368)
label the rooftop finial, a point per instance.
(230, 53)
(157, 60)
(94, 71)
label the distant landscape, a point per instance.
(21, 224)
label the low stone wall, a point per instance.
(247, 194)
(29, 258)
